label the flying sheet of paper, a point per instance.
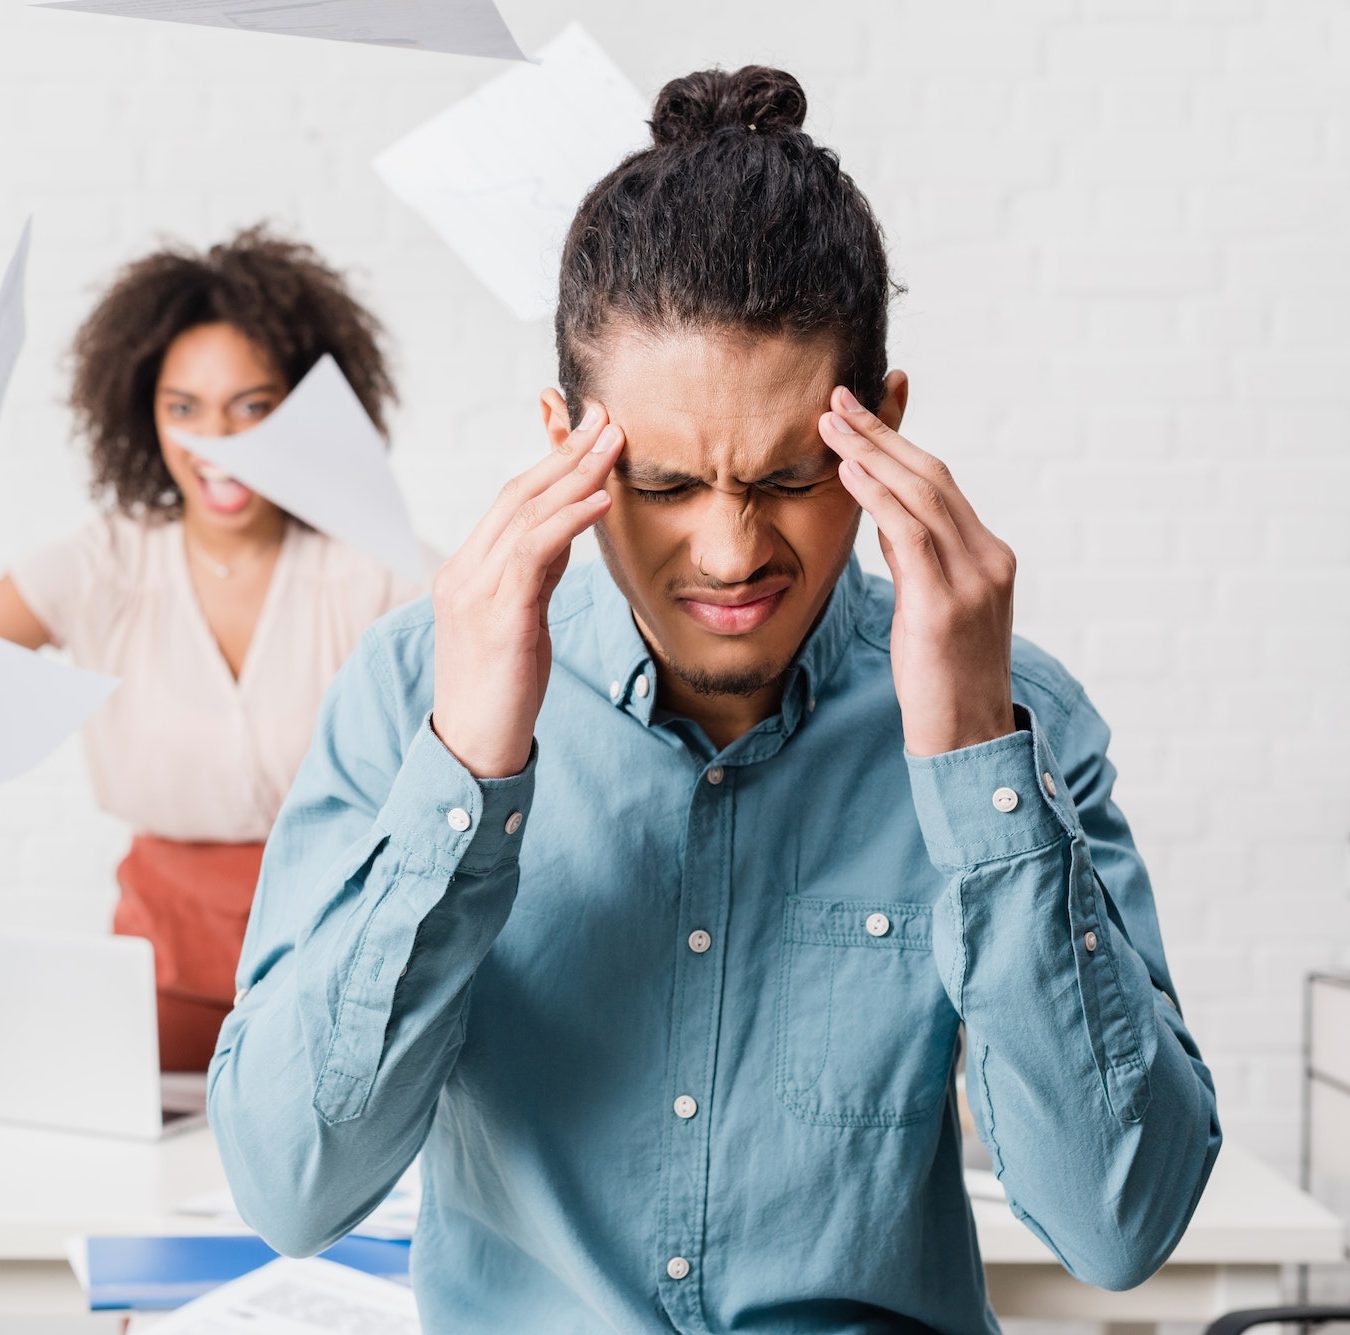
(287, 1297)
(42, 701)
(500, 174)
(12, 324)
(460, 27)
(319, 456)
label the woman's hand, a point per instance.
(951, 637)
(493, 651)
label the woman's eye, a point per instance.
(177, 410)
(259, 408)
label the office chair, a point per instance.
(1234, 1322)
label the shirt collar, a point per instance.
(630, 671)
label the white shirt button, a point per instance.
(514, 822)
(878, 924)
(685, 1106)
(642, 686)
(1090, 941)
(403, 972)
(715, 774)
(699, 941)
(677, 1267)
(1048, 780)
(1005, 799)
(614, 689)
(811, 704)
(458, 819)
(1169, 1001)
(240, 995)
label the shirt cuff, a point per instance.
(993, 800)
(452, 821)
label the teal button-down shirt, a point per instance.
(676, 1029)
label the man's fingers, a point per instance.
(530, 556)
(917, 495)
(524, 487)
(873, 433)
(911, 540)
(588, 473)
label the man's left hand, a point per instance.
(951, 636)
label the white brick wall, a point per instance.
(1126, 231)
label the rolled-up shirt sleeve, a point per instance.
(388, 875)
(1087, 1088)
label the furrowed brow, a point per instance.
(654, 475)
(649, 475)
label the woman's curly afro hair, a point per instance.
(277, 293)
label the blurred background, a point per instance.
(1125, 231)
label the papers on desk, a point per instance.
(12, 324)
(461, 27)
(42, 701)
(288, 1297)
(158, 1273)
(320, 456)
(500, 174)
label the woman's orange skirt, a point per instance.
(191, 901)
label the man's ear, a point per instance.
(892, 407)
(557, 422)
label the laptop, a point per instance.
(79, 1038)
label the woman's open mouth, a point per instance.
(220, 491)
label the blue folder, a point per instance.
(153, 1274)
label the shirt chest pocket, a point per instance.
(865, 1033)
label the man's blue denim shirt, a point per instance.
(676, 1029)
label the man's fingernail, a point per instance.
(591, 418)
(839, 424)
(847, 399)
(608, 438)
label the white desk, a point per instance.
(1249, 1223)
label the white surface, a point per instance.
(12, 322)
(53, 1184)
(79, 1046)
(1248, 1214)
(500, 174)
(1249, 1222)
(465, 27)
(287, 1297)
(319, 456)
(42, 702)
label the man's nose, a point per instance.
(731, 544)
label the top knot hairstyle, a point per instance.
(733, 220)
(278, 293)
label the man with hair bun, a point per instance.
(648, 899)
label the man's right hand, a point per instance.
(493, 651)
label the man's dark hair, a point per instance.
(733, 220)
(277, 293)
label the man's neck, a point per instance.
(723, 717)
